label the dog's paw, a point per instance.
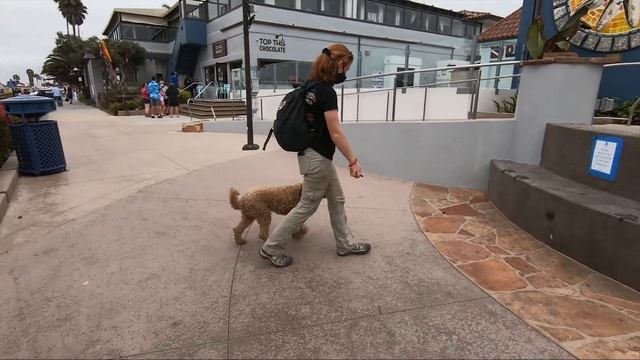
(240, 241)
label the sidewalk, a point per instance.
(130, 253)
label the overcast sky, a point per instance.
(29, 26)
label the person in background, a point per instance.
(199, 88)
(69, 95)
(144, 92)
(163, 98)
(187, 82)
(173, 79)
(154, 97)
(172, 100)
(57, 94)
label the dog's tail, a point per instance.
(233, 198)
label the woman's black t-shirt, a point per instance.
(320, 98)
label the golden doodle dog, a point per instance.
(258, 203)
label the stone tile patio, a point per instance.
(588, 314)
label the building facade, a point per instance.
(204, 39)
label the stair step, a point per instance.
(594, 227)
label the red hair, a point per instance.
(325, 68)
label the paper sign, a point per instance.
(605, 157)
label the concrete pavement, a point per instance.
(130, 253)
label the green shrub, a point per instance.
(115, 107)
(183, 97)
(133, 105)
(508, 105)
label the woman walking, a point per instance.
(320, 177)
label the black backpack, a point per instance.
(291, 127)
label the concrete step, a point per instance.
(594, 227)
(567, 152)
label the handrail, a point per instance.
(190, 85)
(621, 64)
(412, 87)
(201, 91)
(451, 68)
(191, 99)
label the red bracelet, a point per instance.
(354, 162)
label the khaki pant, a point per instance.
(320, 180)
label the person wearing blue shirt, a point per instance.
(173, 78)
(57, 94)
(154, 96)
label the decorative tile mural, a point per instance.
(610, 21)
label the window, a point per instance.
(158, 34)
(310, 5)
(223, 7)
(360, 11)
(126, 31)
(235, 3)
(131, 75)
(444, 25)
(412, 18)
(458, 28)
(470, 31)
(290, 4)
(332, 7)
(429, 22)
(393, 15)
(375, 12)
(213, 10)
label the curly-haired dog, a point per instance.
(258, 203)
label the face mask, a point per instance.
(341, 78)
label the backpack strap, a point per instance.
(264, 147)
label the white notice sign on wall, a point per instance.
(603, 155)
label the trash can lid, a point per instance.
(22, 99)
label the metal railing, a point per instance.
(392, 98)
(196, 83)
(192, 99)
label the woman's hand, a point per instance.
(355, 170)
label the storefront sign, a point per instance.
(509, 51)
(220, 49)
(272, 45)
(605, 157)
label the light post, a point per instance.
(246, 22)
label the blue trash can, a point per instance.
(38, 147)
(37, 143)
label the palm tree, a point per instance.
(16, 77)
(64, 8)
(30, 74)
(74, 12)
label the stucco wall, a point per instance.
(451, 153)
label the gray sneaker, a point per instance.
(278, 261)
(359, 249)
